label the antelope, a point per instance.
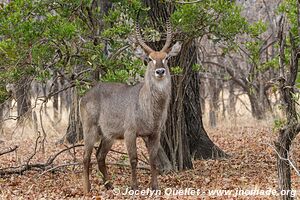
(111, 111)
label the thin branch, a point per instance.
(285, 159)
(240, 81)
(10, 149)
(114, 55)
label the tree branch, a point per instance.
(10, 149)
(230, 72)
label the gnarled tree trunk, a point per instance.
(74, 130)
(291, 128)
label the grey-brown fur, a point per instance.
(111, 111)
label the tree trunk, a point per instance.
(98, 23)
(63, 98)
(202, 94)
(184, 137)
(232, 101)
(215, 89)
(224, 108)
(74, 130)
(55, 98)
(257, 111)
(2, 107)
(23, 99)
(286, 135)
(292, 126)
(283, 166)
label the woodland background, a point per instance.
(234, 115)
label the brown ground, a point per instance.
(252, 166)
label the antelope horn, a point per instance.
(169, 36)
(139, 37)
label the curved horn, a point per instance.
(139, 37)
(169, 36)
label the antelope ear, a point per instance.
(140, 53)
(175, 49)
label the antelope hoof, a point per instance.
(108, 185)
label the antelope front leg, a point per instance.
(152, 146)
(130, 141)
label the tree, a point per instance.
(74, 131)
(289, 126)
(185, 137)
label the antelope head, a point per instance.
(157, 60)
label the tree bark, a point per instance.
(257, 110)
(202, 94)
(283, 166)
(215, 89)
(98, 26)
(2, 106)
(74, 130)
(23, 99)
(55, 97)
(292, 126)
(232, 101)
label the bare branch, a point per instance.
(9, 150)
(288, 159)
(113, 56)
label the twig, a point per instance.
(288, 159)
(10, 149)
(38, 166)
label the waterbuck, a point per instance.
(111, 111)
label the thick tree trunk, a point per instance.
(292, 126)
(283, 165)
(258, 112)
(74, 130)
(285, 138)
(23, 99)
(184, 137)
